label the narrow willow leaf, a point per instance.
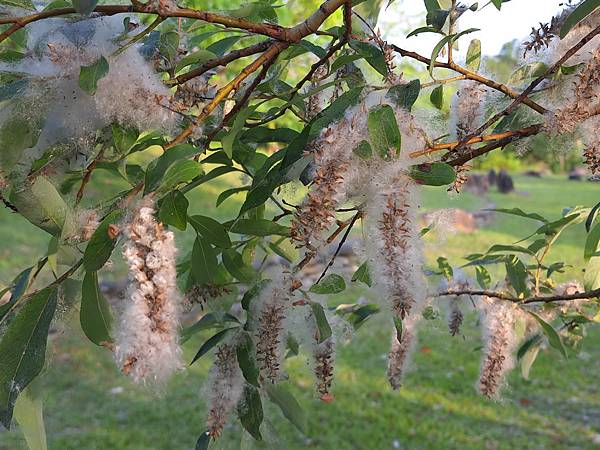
(23, 349)
(250, 411)
(289, 406)
(246, 355)
(581, 12)
(101, 244)
(405, 95)
(474, 55)
(180, 172)
(553, 337)
(445, 268)
(259, 227)
(203, 441)
(331, 284)
(233, 262)
(323, 328)
(95, 316)
(84, 7)
(30, 417)
(204, 261)
(157, 168)
(383, 131)
(211, 342)
(363, 150)
(517, 274)
(363, 274)
(90, 75)
(211, 230)
(197, 57)
(173, 210)
(433, 174)
(484, 279)
(591, 242)
(207, 322)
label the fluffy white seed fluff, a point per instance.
(400, 352)
(467, 109)
(272, 305)
(224, 387)
(497, 323)
(147, 336)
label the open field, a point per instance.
(89, 405)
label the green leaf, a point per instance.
(474, 55)
(553, 337)
(17, 289)
(383, 131)
(591, 242)
(100, 246)
(94, 316)
(519, 212)
(433, 174)
(345, 59)
(527, 354)
(211, 230)
(363, 274)
(450, 39)
(591, 277)
(90, 75)
(180, 172)
(23, 349)
(484, 279)
(259, 227)
(323, 328)
(84, 7)
(173, 210)
(498, 3)
(405, 95)
(234, 264)
(437, 96)
(168, 43)
(30, 417)
(215, 173)
(253, 293)
(432, 5)
(208, 321)
(229, 192)
(420, 30)
(591, 216)
(203, 441)
(517, 274)
(501, 248)
(25, 4)
(204, 261)
(372, 55)
(436, 18)
(212, 342)
(289, 406)
(250, 411)
(156, 169)
(445, 268)
(197, 57)
(123, 138)
(581, 12)
(331, 284)
(530, 70)
(363, 150)
(246, 358)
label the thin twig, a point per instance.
(357, 216)
(535, 299)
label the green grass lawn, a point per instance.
(89, 405)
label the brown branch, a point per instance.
(494, 138)
(274, 50)
(88, 175)
(471, 76)
(523, 96)
(357, 216)
(535, 299)
(221, 61)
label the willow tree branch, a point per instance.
(88, 175)
(357, 216)
(221, 61)
(535, 299)
(523, 96)
(493, 138)
(471, 76)
(234, 84)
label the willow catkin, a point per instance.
(498, 322)
(324, 356)
(147, 337)
(583, 103)
(273, 303)
(455, 317)
(400, 351)
(224, 388)
(467, 109)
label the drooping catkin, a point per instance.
(273, 304)
(498, 320)
(400, 351)
(224, 388)
(455, 317)
(324, 355)
(583, 103)
(394, 244)
(147, 337)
